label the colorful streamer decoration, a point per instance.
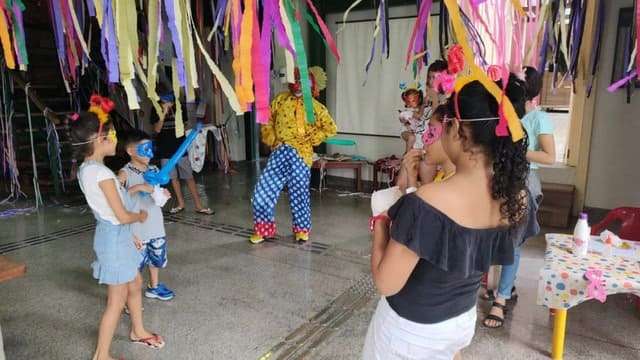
(73, 53)
(508, 116)
(417, 44)
(12, 34)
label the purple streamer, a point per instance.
(544, 47)
(58, 31)
(281, 33)
(109, 36)
(175, 37)
(91, 7)
(219, 12)
(622, 82)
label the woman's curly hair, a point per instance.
(508, 158)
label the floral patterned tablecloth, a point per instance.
(562, 285)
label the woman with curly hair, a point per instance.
(428, 263)
(541, 150)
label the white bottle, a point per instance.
(581, 236)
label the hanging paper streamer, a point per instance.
(5, 38)
(376, 31)
(325, 32)
(222, 80)
(346, 14)
(416, 42)
(17, 26)
(69, 41)
(301, 59)
(262, 64)
(108, 42)
(507, 113)
(170, 10)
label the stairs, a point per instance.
(47, 91)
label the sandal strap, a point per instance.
(495, 318)
(499, 306)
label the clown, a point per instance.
(292, 139)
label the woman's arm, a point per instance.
(110, 191)
(391, 262)
(547, 154)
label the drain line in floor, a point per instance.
(302, 341)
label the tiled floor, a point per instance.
(237, 301)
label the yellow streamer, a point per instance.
(126, 31)
(245, 93)
(518, 6)
(188, 54)
(478, 74)
(6, 42)
(176, 91)
(152, 51)
(99, 11)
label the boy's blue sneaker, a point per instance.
(161, 292)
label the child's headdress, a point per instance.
(101, 107)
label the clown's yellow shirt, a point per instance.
(288, 125)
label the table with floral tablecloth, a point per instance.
(562, 284)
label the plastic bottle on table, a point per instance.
(581, 236)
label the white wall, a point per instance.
(368, 146)
(614, 171)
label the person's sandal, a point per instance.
(152, 342)
(490, 295)
(499, 320)
(205, 211)
(176, 210)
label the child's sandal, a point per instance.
(152, 342)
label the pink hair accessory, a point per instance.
(74, 117)
(595, 285)
(455, 59)
(444, 82)
(495, 72)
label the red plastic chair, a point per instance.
(629, 219)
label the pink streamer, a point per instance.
(419, 28)
(261, 63)
(325, 31)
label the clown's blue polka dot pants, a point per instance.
(284, 167)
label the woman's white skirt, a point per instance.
(392, 337)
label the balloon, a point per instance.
(162, 177)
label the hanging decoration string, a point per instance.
(36, 184)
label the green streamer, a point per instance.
(301, 58)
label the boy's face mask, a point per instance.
(145, 149)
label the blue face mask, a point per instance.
(145, 149)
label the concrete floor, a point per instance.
(277, 299)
